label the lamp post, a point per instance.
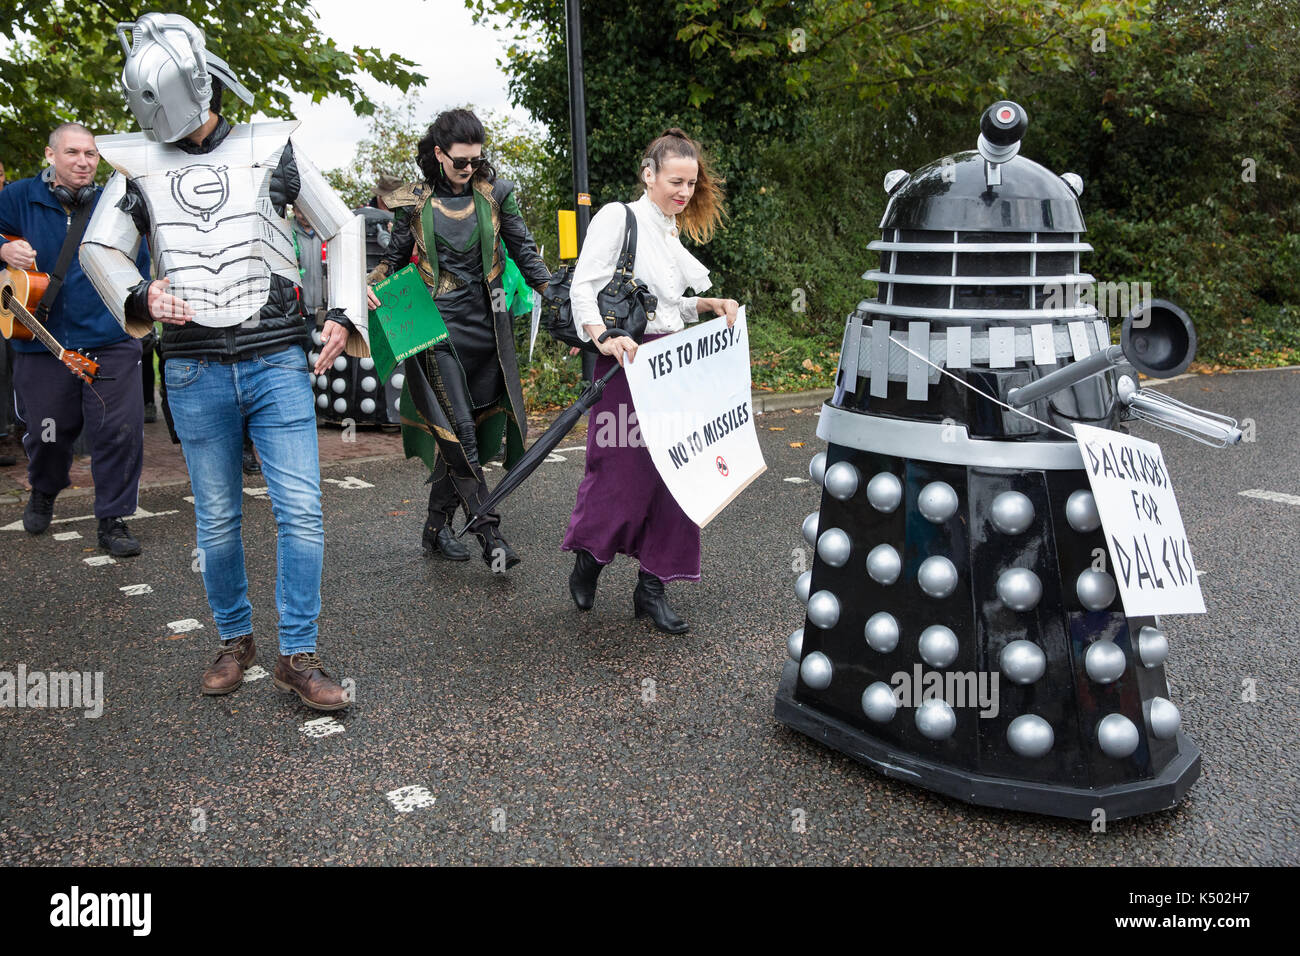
(578, 140)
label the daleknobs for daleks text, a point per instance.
(958, 635)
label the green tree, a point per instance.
(1187, 145)
(803, 107)
(64, 61)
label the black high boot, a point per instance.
(497, 553)
(438, 539)
(440, 542)
(649, 598)
(582, 580)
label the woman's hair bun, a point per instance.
(675, 131)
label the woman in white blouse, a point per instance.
(623, 506)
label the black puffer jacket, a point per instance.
(280, 322)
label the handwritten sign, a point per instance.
(1151, 557)
(409, 321)
(692, 394)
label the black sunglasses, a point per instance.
(463, 161)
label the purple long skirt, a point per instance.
(623, 505)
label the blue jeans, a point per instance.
(210, 403)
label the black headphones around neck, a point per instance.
(65, 196)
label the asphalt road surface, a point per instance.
(543, 735)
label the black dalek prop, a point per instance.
(351, 389)
(959, 635)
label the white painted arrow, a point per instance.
(140, 513)
(350, 483)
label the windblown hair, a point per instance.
(449, 127)
(704, 213)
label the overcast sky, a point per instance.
(457, 56)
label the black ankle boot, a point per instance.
(441, 542)
(582, 580)
(649, 598)
(497, 553)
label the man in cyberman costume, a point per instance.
(211, 199)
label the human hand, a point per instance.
(332, 339)
(616, 346)
(19, 254)
(728, 307)
(166, 307)
(372, 300)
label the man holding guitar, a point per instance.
(49, 212)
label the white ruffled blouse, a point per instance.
(662, 263)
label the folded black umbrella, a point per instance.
(545, 444)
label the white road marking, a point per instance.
(321, 727)
(99, 560)
(796, 481)
(67, 535)
(135, 590)
(349, 483)
(256, 672)
(257, 492)
(1271, 496)
(183, 625)
(189, 498)
(554, 459)
(581, 448)
(140, 513)
(408, 799)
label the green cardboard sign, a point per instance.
(406, 322)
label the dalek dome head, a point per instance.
(988, 189)
(982, 236)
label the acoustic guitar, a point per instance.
(20, 292)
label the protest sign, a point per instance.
(693, 405)
(408, 321)
(1150, 554)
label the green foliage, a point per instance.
(65, 62)
(802, 107)
(1187, 145)
(1165, 107)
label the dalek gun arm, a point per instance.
(1158, 339)
(1208, 428)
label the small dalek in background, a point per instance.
(956, 535)
(351, 390)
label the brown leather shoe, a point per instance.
(302, 673)
(227, 671)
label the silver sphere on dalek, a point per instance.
(957, 533)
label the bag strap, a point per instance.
(627, 259)
(76, 229)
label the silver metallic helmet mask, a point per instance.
(168, 75)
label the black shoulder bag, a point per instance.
(625, 303)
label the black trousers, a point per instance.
(6, 388)
(57, 406)
(442, 396)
